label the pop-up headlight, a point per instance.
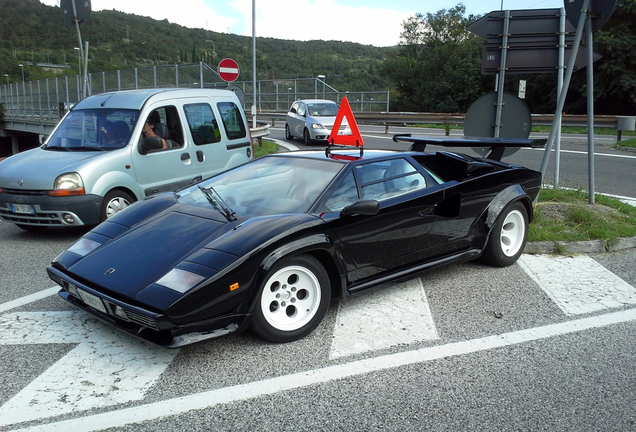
(180, 280)
(83, 246)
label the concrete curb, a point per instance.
(578, 247)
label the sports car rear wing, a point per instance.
(496, 145)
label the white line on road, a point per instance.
(28, 299)
(578, 284)
(386, 318)
(106, 368)
(209, 399)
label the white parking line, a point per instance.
(28, 299)
(386, 318)
(106, 368)
(209, 399)
(578, 284)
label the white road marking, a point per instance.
(209, 399)
(386, 318)
(578, 284)
(28, 299)
(106, 368)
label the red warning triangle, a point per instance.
(355, 139)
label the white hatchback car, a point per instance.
(312, 120)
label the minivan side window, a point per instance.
(202, 123)
(232, 120)
(302, 109)
(165, 124)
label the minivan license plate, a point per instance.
(21, 208)
(92, 301)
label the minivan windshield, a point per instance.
(94, 130)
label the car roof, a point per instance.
(316, 101)
(135, 99)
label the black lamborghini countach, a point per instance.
(266, 245)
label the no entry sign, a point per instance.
(228, 70)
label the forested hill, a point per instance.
(31, 31)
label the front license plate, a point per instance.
(91, 300)
(21, 208)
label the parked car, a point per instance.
(312, 120)
(115, 148)
(267, 244)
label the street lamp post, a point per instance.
(79, 62)
(22, 67)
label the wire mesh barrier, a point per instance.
(48, 99)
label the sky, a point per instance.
(369, 22)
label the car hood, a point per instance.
(37, 169)
(143, 254)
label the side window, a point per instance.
(232, 120)
(163, 123)
(387, 179)
(302, 109)
(202, 123)
(294, 108)
(344, 195)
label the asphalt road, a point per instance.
(546, 344)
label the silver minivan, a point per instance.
(115, 148)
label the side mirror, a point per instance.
(150, 144)
(362, 207)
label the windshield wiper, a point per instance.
(218, 203)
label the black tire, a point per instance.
(288, 135)
(114, 202)
(306, 137)
(508, 236)
(293, 300)
(32, 228)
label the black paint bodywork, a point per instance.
(423, 229)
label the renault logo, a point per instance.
(109, 271)
(20, 182)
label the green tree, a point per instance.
(436, 68)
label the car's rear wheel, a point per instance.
(288, 134)
(306, 137)
(293, 300)
(114, 202)
(508, 236)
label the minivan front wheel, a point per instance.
(114, 202)
(288, 135)
(306, 137)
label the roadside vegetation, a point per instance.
(566, 215)
(267, 148)
(627, 143)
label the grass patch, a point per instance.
(566, 215)
(268, 147)
(627, 143)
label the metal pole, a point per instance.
(502, 73)
(254, 63)
(590, 108)
(558, 118)
(79, 34)
(87, 89)
(566, 84)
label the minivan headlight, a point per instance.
(317, 126)
(68, 184)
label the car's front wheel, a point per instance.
(288, 134)
(508, 236)
(293, 300)
(306, 137)
(114, 202)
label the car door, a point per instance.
(168, 168)
(398, 235)
(299, 119)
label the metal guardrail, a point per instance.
(403, 118)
